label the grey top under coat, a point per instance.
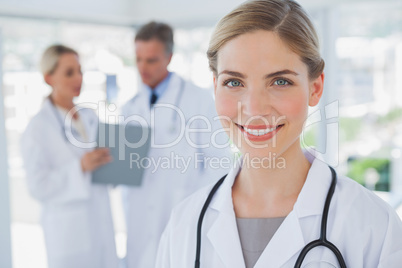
(255, 235)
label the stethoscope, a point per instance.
(322, 241)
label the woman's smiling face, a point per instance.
(262, 91)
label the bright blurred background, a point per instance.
(360, 115)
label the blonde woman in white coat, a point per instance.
(76, 215)
(267, 72)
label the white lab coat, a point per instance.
(365, 229)
(76, 216)
(149, 206)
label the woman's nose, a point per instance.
(256, 103)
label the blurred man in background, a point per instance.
(184, 140)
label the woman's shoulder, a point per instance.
(41, 119)
(351, 191)
(197, 198)
(369, 221)
(364, 205)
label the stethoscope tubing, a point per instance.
(322, 241)
(58, 116)
(201, 218)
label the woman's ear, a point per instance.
(48, 79)
(316, 90)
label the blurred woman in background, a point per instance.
(76, 215)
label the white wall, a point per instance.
(105, 11)
(183, 13)
(122, 12)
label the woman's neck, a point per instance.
(270, 191)
(62, 102)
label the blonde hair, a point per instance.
(51, 56)
(284, 17)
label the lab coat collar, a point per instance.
(224, 231)
(222, 200)
(172, 91)
(88, 121)
(311, 198)
(170, 94)
(90, 124)
(50, 110)
(142, 91)
(314, 192)
(309, 203)
(160, 88)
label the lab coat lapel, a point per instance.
(57, 121)
(224, 238)
(51, 111)
(169, 118)
(289, 239)
(223, 233)
(141, 104)
(314, 192)
(90, 123)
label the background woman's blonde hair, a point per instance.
(51, 56)
(284, 17)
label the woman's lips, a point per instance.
(259, 132)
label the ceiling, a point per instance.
(183, 13)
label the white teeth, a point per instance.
(259, 132)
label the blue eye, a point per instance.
(281, 82)
(233, 83)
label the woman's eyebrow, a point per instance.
(232, 73)
(280, 73)
(240, 75)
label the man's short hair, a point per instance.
(159, 31)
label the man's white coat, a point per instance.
(148, 207)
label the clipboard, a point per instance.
(128, 145)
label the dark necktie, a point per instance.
(154, 97)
